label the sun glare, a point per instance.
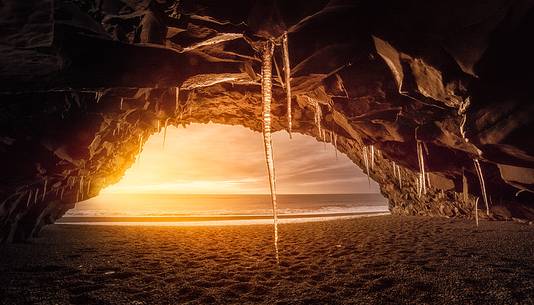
(222, 159)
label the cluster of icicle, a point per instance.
(83, 188)
(421, 181)
(368, 156)
(266, 92)
(397, 173)
(480, 175)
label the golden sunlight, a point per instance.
(222, 159)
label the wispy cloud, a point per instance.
(212, 158)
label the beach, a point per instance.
(370, 260)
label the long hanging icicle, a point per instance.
(366, 162)
(421, 159)
(44, 189)
(35, 197)
(266, 94)
(98, 96)
(287, 77)
(29, 198)
(139, 150)
(318, 117)
(482, 184)
(165, 131)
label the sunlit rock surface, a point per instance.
(82, 86)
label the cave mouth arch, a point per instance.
(213, 171)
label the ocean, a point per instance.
(183, 210)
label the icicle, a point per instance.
(79, 194)
(476, 210)
(318, 116)
(36, 194)
(139, 150)
(418, 185)
(266, 88)
(421, 159)
(177, 96)
(165, 131)
(29, 198)
(465, 188)
(366, 162)
(400, 177)
(482, 184)
(44, 189)
(122, 101)
(287, 77)
(98, 96)
(372, 157)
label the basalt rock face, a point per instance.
(83, 84)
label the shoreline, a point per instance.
(366, 260)
(211, 219)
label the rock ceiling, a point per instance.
(85, 83)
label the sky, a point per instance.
(223, 159)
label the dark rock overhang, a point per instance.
(83, 85)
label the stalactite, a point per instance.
(421, 160)
(122, 101)
(98, 96)
(29, 198)
(44, 189)
(482, 184)
(165, 131)
(400, 177)
(158, 126)
(36, 195)
(287, 77)
(365, 157)
(318, 116)
(428, 180)
(139, 149)
(62, 192)
(79, 194)
(266, 88)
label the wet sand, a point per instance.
(375, 260)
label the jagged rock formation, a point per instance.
(84, 84)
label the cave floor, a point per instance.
(377, 260)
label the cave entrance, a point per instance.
(217, 172)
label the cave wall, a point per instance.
(83, 84)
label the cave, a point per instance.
(83, 85)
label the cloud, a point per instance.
(213, 158)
